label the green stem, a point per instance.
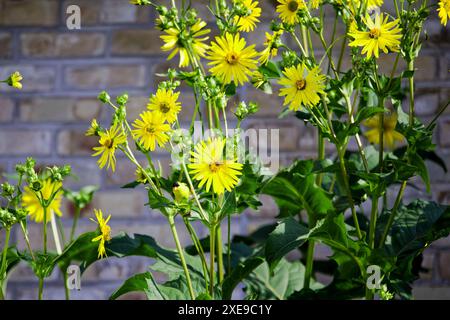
(411, 94)
(219, 253)
(4, 265)
(393, 213)
(41, 288)
(75, 223)
(373, 221)
(309, 264)
(27, 239)
(66, 288)
(45, 229)
(229, 243)
(212, 238)
(173, 228)
(199, 248)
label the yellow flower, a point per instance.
(381, 34)
(315, 4)
(14, 80)
(248, 22)
(166, 103)
(105, 231)
(109, 141)
(444, 11)
(93, 129)
(271, 48)
(151, 129)
(32, 204)
(354, 5)
(176, 41)
(231, 59)
(390, 136)
(211, 167)
(302, 86)
(288, 10)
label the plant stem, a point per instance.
(373, 221)
(45, 229)
(173, 228)
(4, 265)
(75, 223)
(348, 190)
(393, 213)
(229, 243)
(212, 238)
(41, 288)
(66, 288)
(219, 253)
(199, 248)
(411, 94)
(309, 264)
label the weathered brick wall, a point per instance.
(117, 50)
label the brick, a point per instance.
(24, 142)
(121, 204)
(289, 134)
(269, 209)
(428, 263)
(6, 109)
(136, 42)
(386, 63)
(102, 77)
(270, 105)
(69, 44)
(444, 263)
(74, 142)
(28, 13)
(426, 68)
(109, 12)
(59, 110)
(426, 103)
(83, 173)
(5, 44)
(35, 78)
(444, 128)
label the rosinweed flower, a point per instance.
(444, 11)
(105, 232)
(109, 141)
(247, 22)
(271, 46)
(288, 10)
(302, 87)
(210, 166)
(33, 205)
(166, 103)
(150, 130)
(390, 135)
(14, 80)
(93, 129)
(381, 35)
(231, 59)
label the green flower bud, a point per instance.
(7, 189)
(122, 99)
(162, 10)
(181, 192)
(104, 97)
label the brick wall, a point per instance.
(117, 50)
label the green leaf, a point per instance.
(270, 70)
(142, 282)
(287, 236)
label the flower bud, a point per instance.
(36, 185)
(104, 97)
(181, 192)
(7, 189)
(122, 99)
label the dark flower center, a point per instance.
(293, 6)
(108, 143)
(164, 107)
(214, 167)
(301, 84)
(232, 58)
(374, 33)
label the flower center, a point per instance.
(301, 84)
(108, 143)
(164, 107)
(374, 33)
(150, 130)
(232, 58)
(214, 167)
(293, 6)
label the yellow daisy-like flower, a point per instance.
(288, 9)
(151, 129)
(105, 232)
(302, 86)
(271, 48)
(14, 80)
(231, 59)
(93, 129)
(381, 35)
(315, 4)
(109, 141)
(166, 103)
(248, 22)
(211, 167)
(32, 204)
(176, 41)
(444, 11)
(390, 136)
